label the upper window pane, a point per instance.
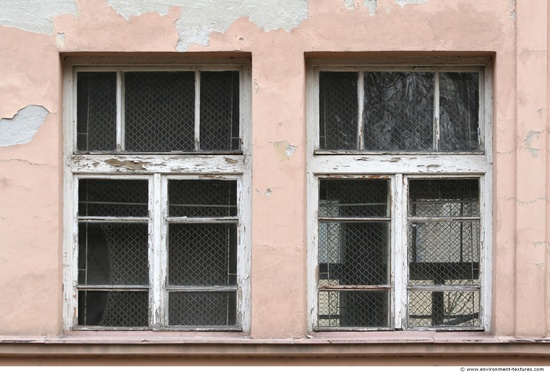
(200, 198)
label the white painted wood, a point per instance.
(120, 111)
(197, 110)
(360, 109)
(156, 272)
(436, 137)
(399, 249)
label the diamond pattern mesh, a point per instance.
(398, 112)
(159, 111)
(113, 308)
(444, 198)
(113, 253)
(437, 309)
(459, 111)
(202, 254)
(338, 110)
(353, 198)
(353, 309)
(106, 197)
(96, 111)
(219, 110)
(202, 198)
(202, 308)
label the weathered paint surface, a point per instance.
(278, 35)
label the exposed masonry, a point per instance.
(284, 150)
(23, 126)
(15, 13)
(199, 18)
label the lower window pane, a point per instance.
(113, 308)
(353, 309)
(443, 309)
(202, 308)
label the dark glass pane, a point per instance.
(459, 111)
(338, 108)
(219, 129)
(202, 254)
(96, 111)
(113, 308)
(203, 308)
(202, 198)
(444, 198)
(159, 111)
(398, 112)
(113, 253)
(353, 309)
(443, 309)
(353, 198)
(109, 197)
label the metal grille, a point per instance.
(202, 308)
(113, 253)
(443, 309)
(219, 111)
(353, 309)
(202, 198)
(113, 308)
(96, 111)
(353, 198)
(202, 254)
(159, 111)
(459, 111)
(338, 110)
(103, 197)
(444, 198)
(398, 111)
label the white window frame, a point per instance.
(399, 167)
(157, 168)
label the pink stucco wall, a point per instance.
(31, 174)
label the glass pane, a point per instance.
(354, 253)
(202, 254)
(444, 198)
(96, 111)
(113, 253)
(159, 111)
(203, 308)
(443, 309)
(219, 110)
(353, 309)
(202, 198)
(113, 309)
(102, 197)
(338, 110)
(353, 198)
(398, 112)
(459, 111)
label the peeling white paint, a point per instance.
(402, 3)
(371, 6)
(199, 18)
(35, 16)
(23, 126)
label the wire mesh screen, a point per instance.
(353, 309)
(398, 111)
(202, 198)
(202, 254)
(96, 111)
(113, 253)
(353, 198)
(443, 309)
(113, 308)
(444, 198)
(338, 110)
(108, 197)
(159, 111)
(219, 110)
(459, 111)
(202, 308)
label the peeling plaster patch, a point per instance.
(268, 192)
(284, 150)
(371, 6)
(199, 18)
(402, 3)
(349, 4)
(35, 16)
(527, 141)
(23, 126)
(60, 40)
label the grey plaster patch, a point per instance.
(349, 4)
(402, 3)
(199, 18)
(23, 126)
(371, 6)
(35, 16)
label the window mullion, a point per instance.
(120, 145)
(399, 250)
(156, 269)
(436, 136)
(197, 110)
(361, 103)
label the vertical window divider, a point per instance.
(120, 111)
(155, 251)
(436, 112)
(197, 110)
(361, 104)
(398, 246)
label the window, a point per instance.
(399, 203)
(157, 196)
